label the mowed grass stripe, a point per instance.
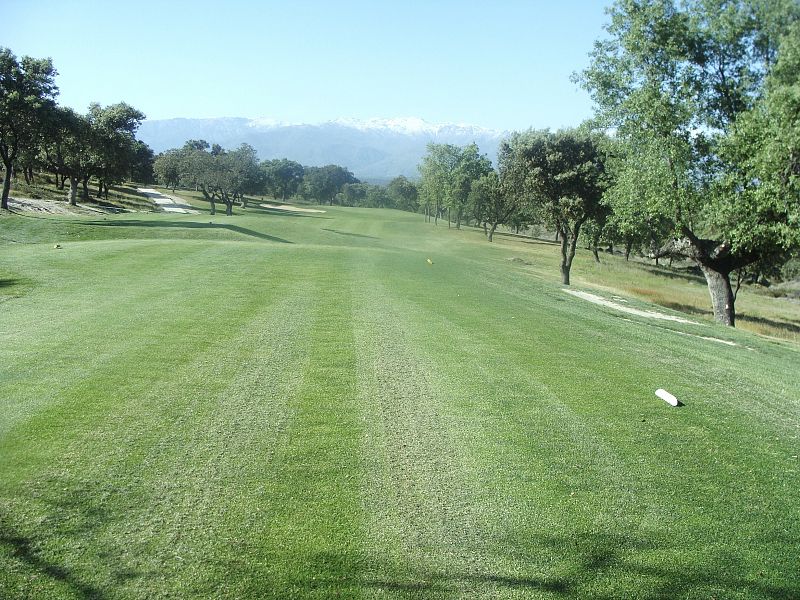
(337, 417)
(416, 495)
(68, 333)
(183, 458)
(491, 408)
(594, 456)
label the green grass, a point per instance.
(276, 405)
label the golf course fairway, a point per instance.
(357, 403)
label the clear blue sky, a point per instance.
(503, 64)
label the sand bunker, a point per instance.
(650, 314)
(291, 208)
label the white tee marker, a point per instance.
(667, 397)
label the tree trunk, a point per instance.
(6, 186)
(85, 193)
(485, 230)
(569, 241)
(72, 196)
(722, 299)
(458, 219)
(105, 190)
(99, 189)
(628, 246)
(60, 179)
(716, 261)
(566, 261)
(596, 255)
(491, 231)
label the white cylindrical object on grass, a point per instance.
(667, 397)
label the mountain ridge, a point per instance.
(373, 149)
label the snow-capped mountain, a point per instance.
(373, 149)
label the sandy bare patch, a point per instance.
(694, 335)
(291, 208)
(649, 314)
(168, 203)
(52, 207)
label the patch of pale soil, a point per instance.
(168, 203)
(52, 207)
(291, 208)
(650, 314)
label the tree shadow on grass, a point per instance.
(360, 235)
(24, 550)
(73, 514)
(593, 565)
(680, 275)
(534, 241)
(190, 225)
(789, 325)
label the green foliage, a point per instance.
(282, 177)
(168, 167)
(674, 81)
(492, 202)
(323, 183)
(760, 190)
(563, 176)
(403, 194)
(27, 98)
(113, 146)
(447, 173)
(66, 147)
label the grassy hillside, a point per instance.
(300, 405)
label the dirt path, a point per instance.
(168, 203)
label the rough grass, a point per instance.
(277, 405)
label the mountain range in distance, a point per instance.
(375, 150)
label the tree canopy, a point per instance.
(27, 99)
(562, 175)
(674, 80)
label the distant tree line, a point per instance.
(229, 176)
(694, 152)
(36, 134)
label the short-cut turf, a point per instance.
(278, 405)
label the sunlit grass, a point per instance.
(273, 405)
